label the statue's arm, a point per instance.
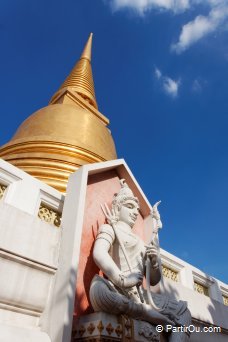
(155, 272)
(101, 256)
(104, 261)
(152, 251)
(155, 275)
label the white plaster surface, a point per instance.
(20, 317)
(24, 191)
(27, 236)
(23, 284)
(203, 308)
(12, 333)
(29, 251)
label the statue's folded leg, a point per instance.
(176, 311)
(184, 320)
(104, 297)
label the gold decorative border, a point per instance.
(49, 215)
(169, 273)
(2, 190)
(202, 289)
(225, 300)
(50, 147)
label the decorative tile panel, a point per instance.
(2, 190)
(49, 215)
(225, 300)
(169, 273)
(201, 289)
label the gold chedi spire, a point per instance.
(87, 52)
(80, 79)
(70, 132)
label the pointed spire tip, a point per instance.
(88, 48)
(80, 79)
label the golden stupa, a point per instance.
(68, 133)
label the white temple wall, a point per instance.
(207, 310)
(29, 249)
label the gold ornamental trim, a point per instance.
(225, 300)
(50, 147)
(80, 101)
(59, 185)
(202, 289)
(170, 274)
(49, 215)
(2, 190)
(36, 163)
(43, 169)
(45, 172)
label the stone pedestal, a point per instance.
(105, 327)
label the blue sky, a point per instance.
(161, 71)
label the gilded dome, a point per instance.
(67, 124)
(68, 133)
(56, 140)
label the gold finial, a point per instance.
(80, 79)
(88, 48)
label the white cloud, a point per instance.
(169, 85)
(158, 73)
(200, 27)
(142, 6)
(192, 31)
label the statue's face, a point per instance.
(129, 212)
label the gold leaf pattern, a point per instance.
(201, 289)
(225, 300)
(2, 190)
(49, 215)
(169, 273)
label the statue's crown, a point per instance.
(125, 190)
(124, 194)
